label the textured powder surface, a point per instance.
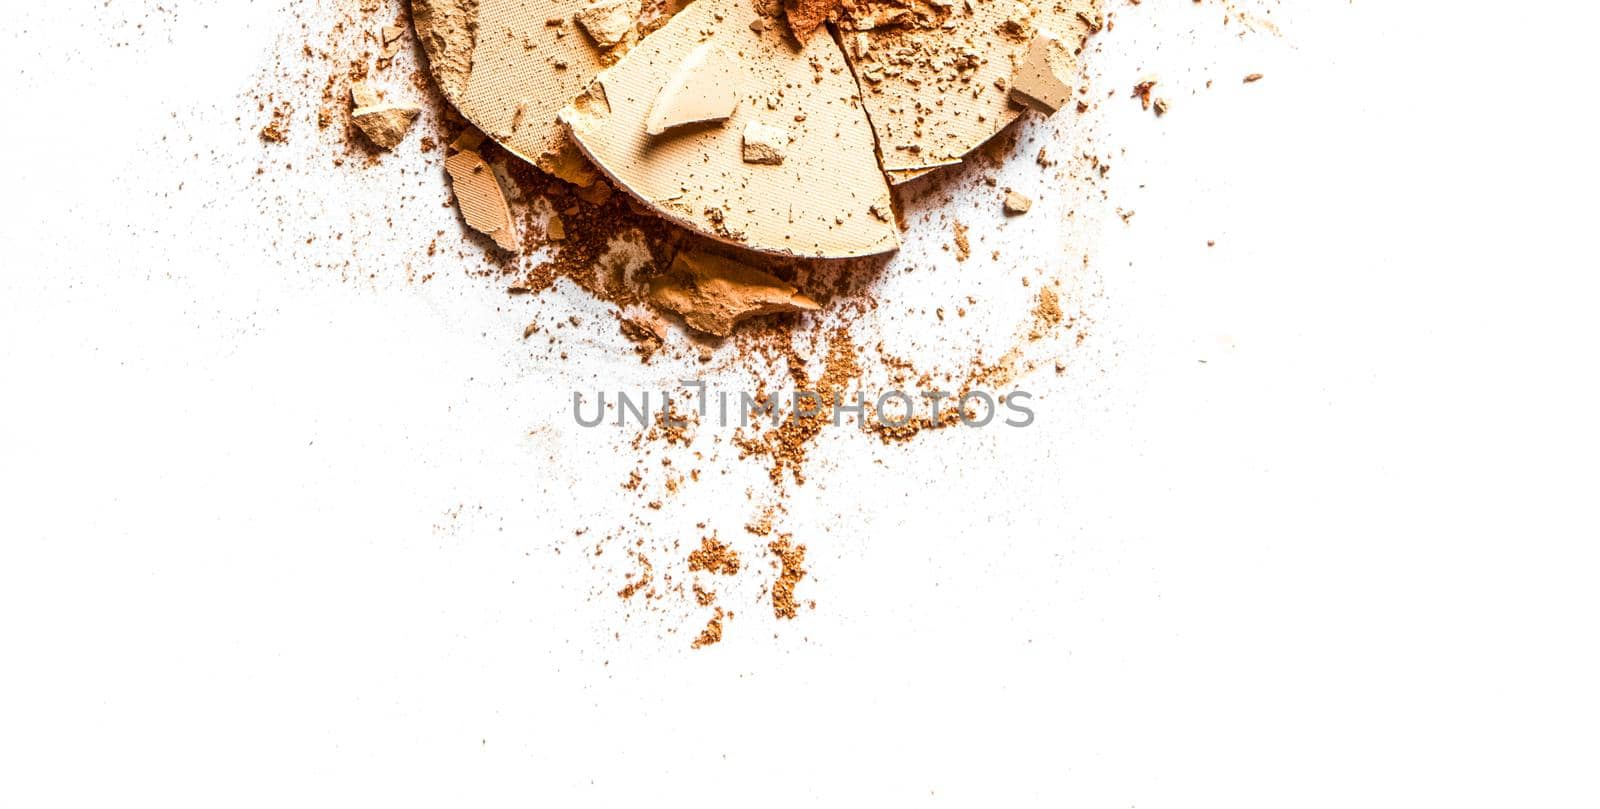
(934, 77)
(818, 203)
(509, 65)
(481, 199)
(448, 30)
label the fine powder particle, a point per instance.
(790, 557)
(481, 199)
(713, 293)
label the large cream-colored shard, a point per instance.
(935, 75)
(818, 203)
(700, 91)
(1043, 80)
(714, 293)
(509, 65)
(481, 199)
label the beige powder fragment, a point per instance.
(481, 199)
(448, 30)
(713, 293)
(1016, 204)
(700, 91)
(392, 40)
(1041, 81)
(563, 160)
(764, 144)
(608, 22)
(386, 125)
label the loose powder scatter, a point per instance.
(714, 556)
(791, 559)
(712, 633)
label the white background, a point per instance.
(1309, 522)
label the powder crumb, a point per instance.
(1142, 90)
(712, 633)
(714, 556)
(1016, 204)
(963, 247)
(791, 558)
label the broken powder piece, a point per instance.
(362, 95)
(608, 22)
(645, 330)
(481, 199)
(1016, 204)
(700, 91)
(1253, 78)
(556, 230)
(391, 41)
(386, 124)
(1041, 80)
(764, 144)
(468, 141)
(595, 193)
(1160, 106)
(806, 16)
(563, 160)
(713, 293)
(696, 177)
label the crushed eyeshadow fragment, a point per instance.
(714, 293)
(481, 199)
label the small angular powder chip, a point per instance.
(383, 124)
(1016, 204)
(563, 160)
(713, 293)
(764, 144)
(700, 91)
(608, 22)
(481, 199)
(1041, 80)
(391, 40)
